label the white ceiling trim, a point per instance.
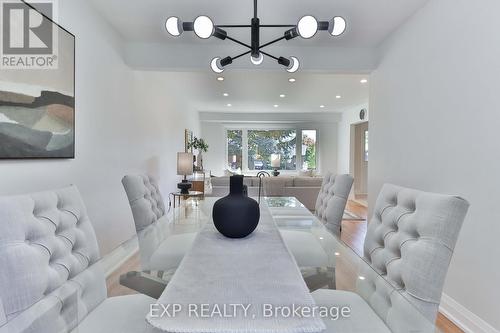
(278, 118)
(197, 57)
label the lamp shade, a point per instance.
(184, 164)
(275, 160)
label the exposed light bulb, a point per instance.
(203, 27)
(307, 26)
(337, 26)
(215, 65)
(173, 26)
(294, 65)
(291, 80)
(257, 61)
(220, 78)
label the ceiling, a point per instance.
(253, 92)
(329, 66)
(369, 21)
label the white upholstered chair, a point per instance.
(50, 277)
(330, 206)
(159, 249)
(409, 245)
(332, 199)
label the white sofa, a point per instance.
(305, 189)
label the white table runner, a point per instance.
(233, 285)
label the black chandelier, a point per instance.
(306, 28)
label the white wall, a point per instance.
(349, 117)
(215, 160)
(125, 123)
(215, 135)
(434, 126)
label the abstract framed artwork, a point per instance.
(37, 106)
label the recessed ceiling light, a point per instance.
(282, 95)
(292, 80)
(225, 94)
(322, 106)
(220, 78)
(229, 105)
(364, 81)
(337, 254)
(276, 105)
(361, 277)
(338, 97)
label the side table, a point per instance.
(192, 194)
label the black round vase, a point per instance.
(236, 215)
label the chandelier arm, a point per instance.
(278, 25)
(269, 55)
(233, 26)
(241, 55)
(238, 42)
(249, 26)
(272, 42)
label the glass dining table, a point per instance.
(325, 263)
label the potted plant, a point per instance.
(202, 147)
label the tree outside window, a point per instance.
(263, 143)
(309, 149)
(235, 149)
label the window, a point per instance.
(235, 149)
(251, 149)
(309, 150)
(263, 143)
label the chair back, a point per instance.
(409, 242)
(332, 199)
(149, 211)
(50, 278)
(145, 199)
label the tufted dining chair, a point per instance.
(51, 280)
(330, 206)
(408, 246)
(159, 248)
(332, 199)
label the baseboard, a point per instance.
(113, 260)
(463, 318)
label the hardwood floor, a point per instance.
(113, 281)
(353, 234)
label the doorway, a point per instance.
(359, 162)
